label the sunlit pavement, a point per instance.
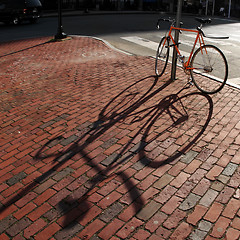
(93, 146)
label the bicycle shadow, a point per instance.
(88, 136)
(174, 107)
(114, 112)
(120, 110)
(129, 108)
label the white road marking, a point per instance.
(235, 82)
(222, 42)
(147, 43)
(142, 42)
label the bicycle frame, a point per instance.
(205, 65)
(199, 38)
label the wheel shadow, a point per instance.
(171, 125)
(189, 117)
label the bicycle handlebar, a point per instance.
(172, 21)
(165, 20)
(202, 22)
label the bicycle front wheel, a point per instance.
(162, 56)
(209, 69)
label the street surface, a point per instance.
(135, 33)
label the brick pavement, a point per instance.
(95, 147)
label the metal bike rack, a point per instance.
(176, 38)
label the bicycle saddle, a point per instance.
(204, 20)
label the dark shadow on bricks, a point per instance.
(178, 114)
(25, 49)
(116, 111)
(89, 135)
(125, 107)
(186, 122)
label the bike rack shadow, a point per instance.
(129, 106)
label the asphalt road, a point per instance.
(134, 33)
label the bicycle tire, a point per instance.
(209, 69)
(162, 56)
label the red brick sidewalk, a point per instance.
(95, 147)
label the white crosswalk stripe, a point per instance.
(221, 42)
(146, 43)
(154, 45)
(142, 41)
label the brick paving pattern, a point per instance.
(93, 146)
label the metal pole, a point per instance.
(60, 34)
(229, 9)
(213, 9)
(206, 10)
(140, 5)
(176, 38)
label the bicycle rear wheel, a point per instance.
(162, 56)
(209, 69)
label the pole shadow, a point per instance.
(25, 49)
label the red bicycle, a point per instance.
(207, 66)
